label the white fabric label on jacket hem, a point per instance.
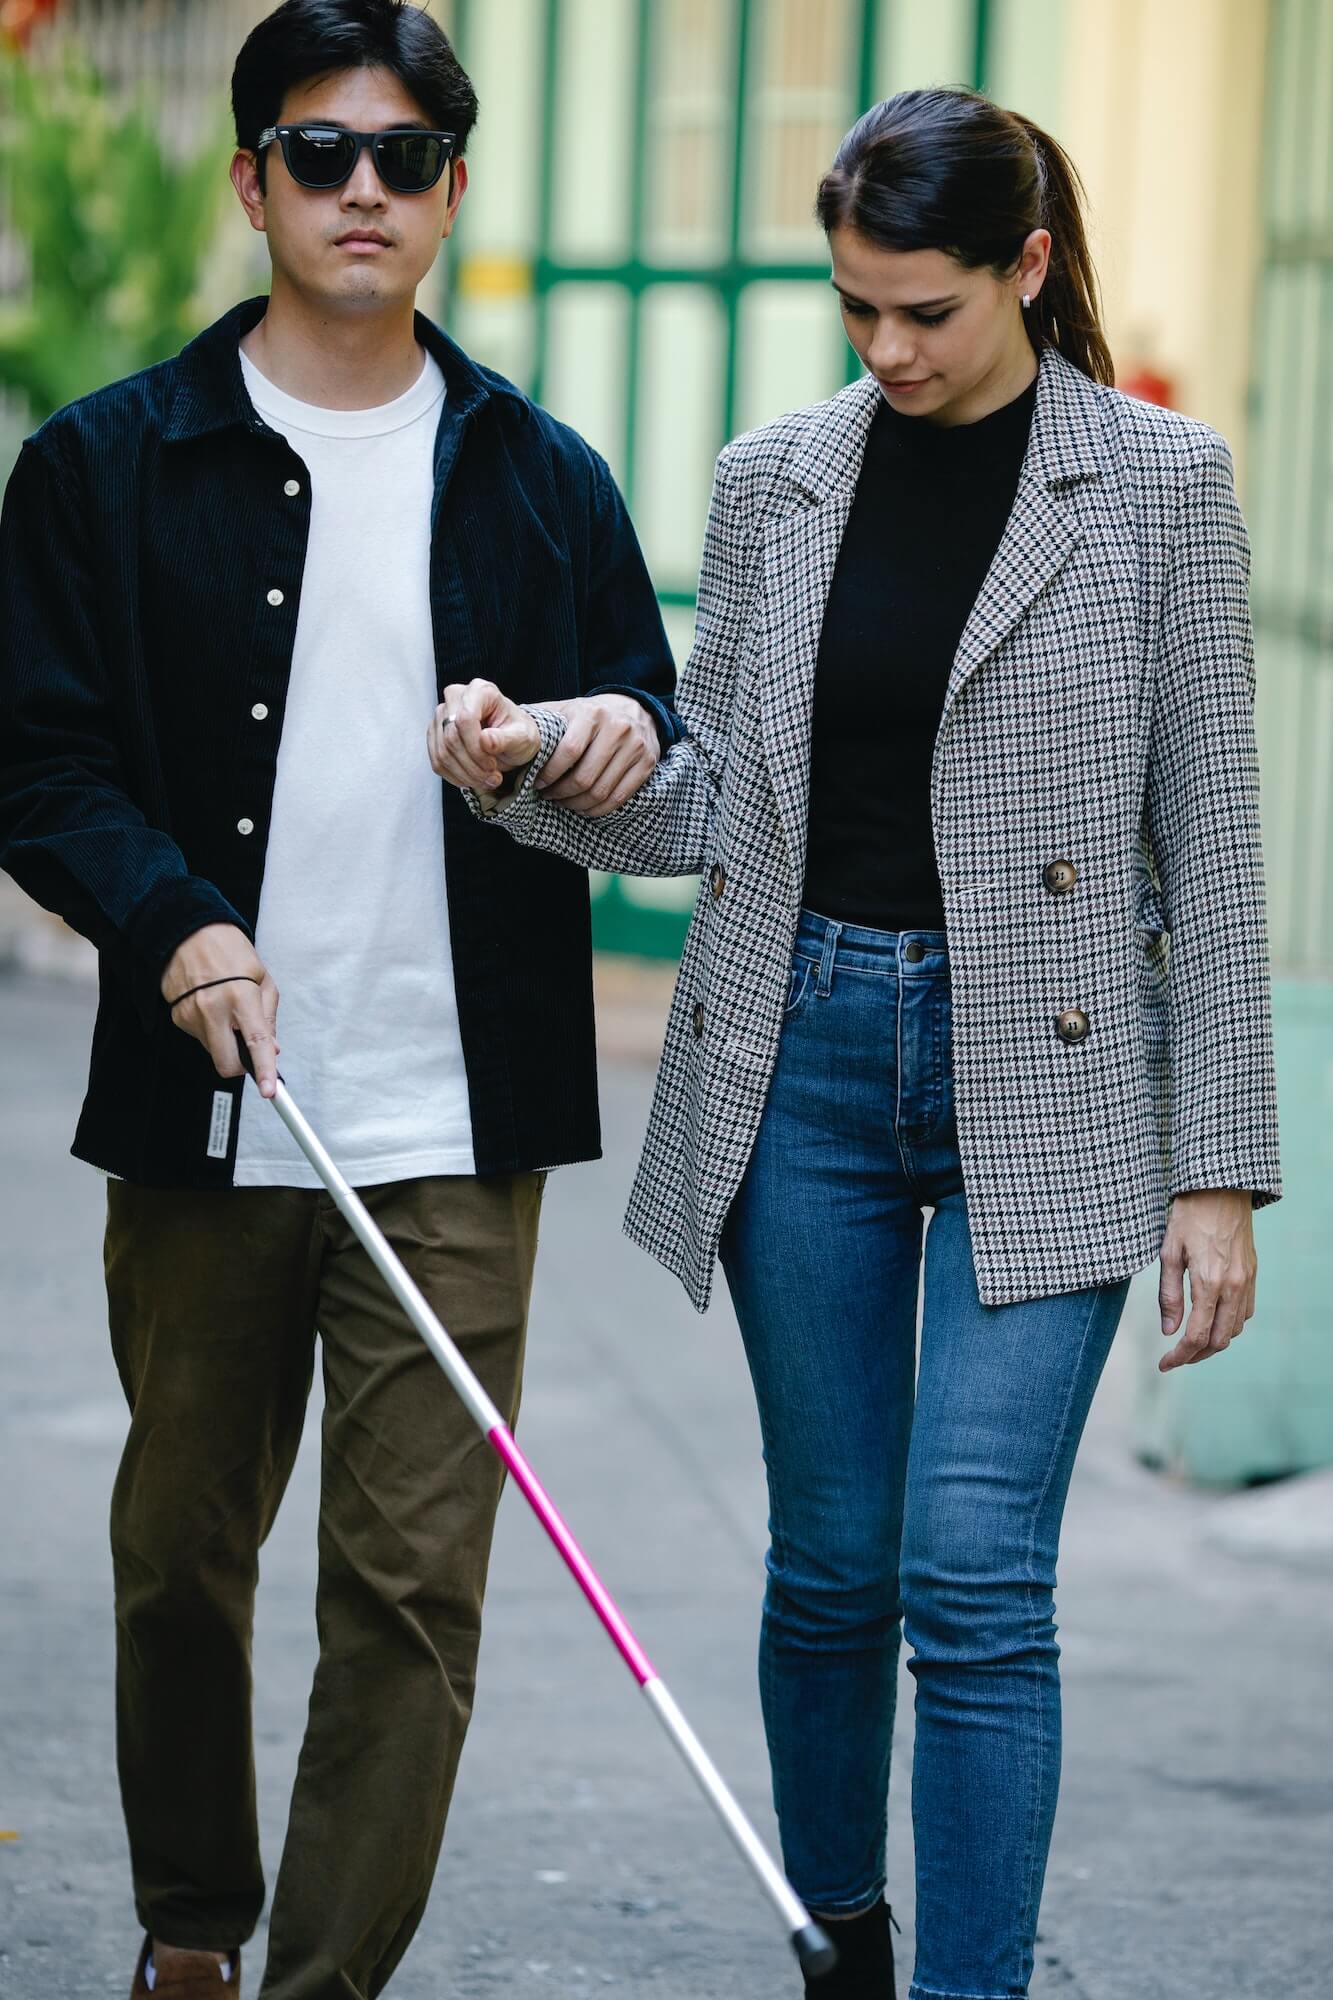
(219, 1131)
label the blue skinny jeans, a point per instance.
(918, 1500)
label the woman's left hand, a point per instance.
(1211, 1235)
(608, 752)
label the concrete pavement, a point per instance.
(1194, 1848)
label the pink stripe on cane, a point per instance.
(631, 1652)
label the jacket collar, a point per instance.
(801, 551)
(1065, 441)
(208, 390)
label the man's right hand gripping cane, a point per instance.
(217, 987)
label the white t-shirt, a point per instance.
(353, 916)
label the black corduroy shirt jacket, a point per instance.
(152, 546)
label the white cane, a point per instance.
(811, 1946)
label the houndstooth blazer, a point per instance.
(1100, 712)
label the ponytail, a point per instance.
(949, 170)
(1067, 312)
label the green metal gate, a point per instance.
(639, 249)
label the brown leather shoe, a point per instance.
(190, 1975)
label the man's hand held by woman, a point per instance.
(478, 738)
(217, 987)
(1210, 1234)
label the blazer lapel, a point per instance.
(800, 555)
(1037, 542)
(1043, 528)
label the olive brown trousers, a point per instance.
(216, 1302)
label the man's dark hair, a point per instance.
(305, 39)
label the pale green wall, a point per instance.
(1290, 488)
(921, 45)
(1025, 57)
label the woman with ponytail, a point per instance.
(970, 778)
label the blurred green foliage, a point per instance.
(115, 229)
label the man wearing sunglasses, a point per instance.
(233, 588)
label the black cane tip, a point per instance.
(816, 1954)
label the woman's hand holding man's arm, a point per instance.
(607, 795)
(610, 747)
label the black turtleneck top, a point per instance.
(931, 505)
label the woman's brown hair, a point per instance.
(948, 170)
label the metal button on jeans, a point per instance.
(914, 953)
(275, 598)
(1072, 1025)
(698, 1021)
(1059, 877)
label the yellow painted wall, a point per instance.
(1163, 113)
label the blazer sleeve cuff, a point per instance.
(514, 807)
(1261, 1180)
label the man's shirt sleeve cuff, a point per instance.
(670, 728)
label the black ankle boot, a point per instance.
(865, 1958)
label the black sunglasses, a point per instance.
(323, 156)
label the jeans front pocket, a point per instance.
(800, 985)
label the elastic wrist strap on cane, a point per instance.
(232, 979)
